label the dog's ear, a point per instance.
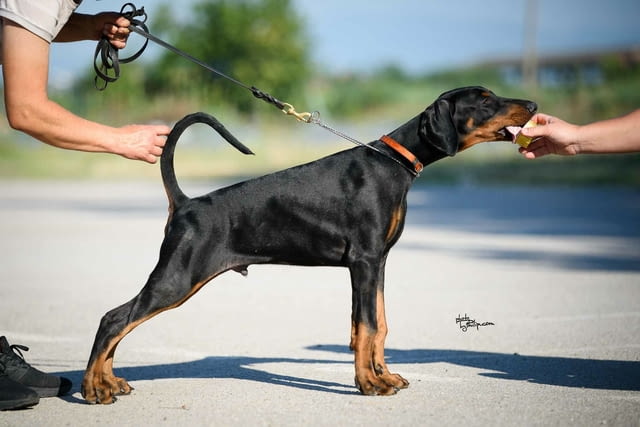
(437, 128)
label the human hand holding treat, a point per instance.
(552, 135)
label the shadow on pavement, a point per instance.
(229, 367)
(548, 370)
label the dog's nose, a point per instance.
(532, 107)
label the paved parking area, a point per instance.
(556, 270)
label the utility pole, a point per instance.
(530, 55)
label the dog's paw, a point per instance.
(395, 380)
(104, 390)
(374, 386)
(384, 384)
(123, 387)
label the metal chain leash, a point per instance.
(315, 119)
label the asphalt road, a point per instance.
(556, 270)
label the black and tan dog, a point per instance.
(346, 210)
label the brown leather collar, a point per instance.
(395, 145)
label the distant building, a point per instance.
(567, 69)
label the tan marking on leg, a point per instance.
(394, 225)
(99, 384)
(364, 370)
(354, 334)
(380, 336)
(368, 380)
(379, 364)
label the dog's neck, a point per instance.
(409, 137)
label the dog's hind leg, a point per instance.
(100, 385)
(171, 283)
(369, 330)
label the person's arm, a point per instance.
(25, 72)
(92, 27)
(555, 136)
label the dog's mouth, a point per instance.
(515, 134)
(504, 134)
(508, 133)
(513, 131)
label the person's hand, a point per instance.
(551, 136)
(143, 142)
(114, 26)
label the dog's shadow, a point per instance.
(558, 371)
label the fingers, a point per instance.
(536, 132)
(121, 21)
(143, 142)
(544, 128)
(161, 129)
(117, 32)
(535, 150)
(542, 119)
(526, 153)
(538, 146)
(157, 142)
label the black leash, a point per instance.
(109, 71)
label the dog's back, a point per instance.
(275, 218)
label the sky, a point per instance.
(418, 35)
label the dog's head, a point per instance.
(461, 118)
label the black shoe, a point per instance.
(16, 369)
(14, 395)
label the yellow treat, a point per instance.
(523, 140)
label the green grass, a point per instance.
(492, 164)
(361, 106)
(39, 161)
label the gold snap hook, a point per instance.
(291, 111)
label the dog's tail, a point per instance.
(174, 193)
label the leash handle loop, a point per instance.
(108, 68)
(129, 11)
(131, 16)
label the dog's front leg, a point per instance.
(369, 330)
